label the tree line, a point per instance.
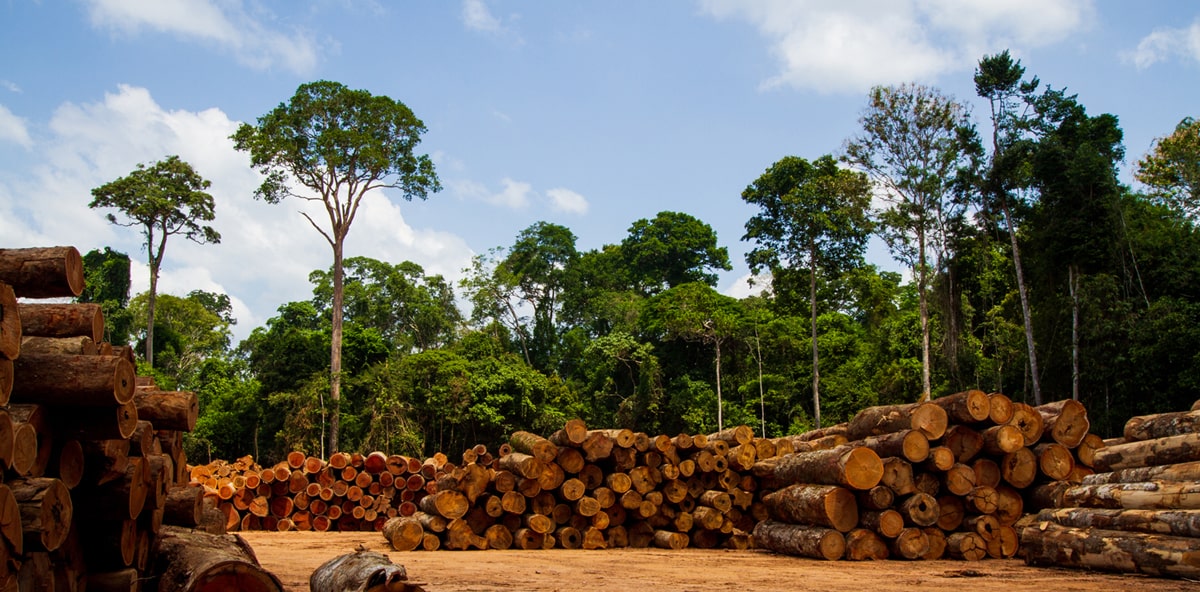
(1033, 271)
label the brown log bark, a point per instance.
(1167, 522)
(42, 272)
(122, 580)
(46, 511)
(929, 418)
(665, 539)
(1065, 422)
(168, 410)
(879, 497)
(361, 570)
(856, 468)
(621, 437)
(964, 442)
(184, 506)
(404, 533)
(911, 543)
(1151, 495)
(75, 381)
(124, 497)
(920, 509)
(820, 505)
(972, 406)
(6, 379)
(1187, 471)
(1029, 421)
(62, 320)
(10, 324)
(104, 460)
(863, 544)
(840, 429)
(1049, 495)
(1054, 460)
(59, 346)
(534, 445)
(194, 561)
(1161, 425)
(1086, 452)
(98, 423)
(941, 458)
(1160, 451)
(1048, 544)
(966, 545)
(735, 436)
(802, 541)
(912, 445)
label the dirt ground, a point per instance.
(292, 556)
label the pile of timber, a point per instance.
(95, 492)
(1141, 514)
(945, 478)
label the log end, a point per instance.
(864, 468)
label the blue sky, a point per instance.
(588, 114)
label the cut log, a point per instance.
(1065, 422)
(929, 418)
(10, 324)
(1160, 425)
(42, 272)
(74, 381)
(1169, 522)
(10, 523)
(1019, 468)
(736, 436)
(62, 320)
(941, 458)
(1010, 505)
(534, 445)
(937, 543)
(194, 561)
(1048, 544)
(964, 442)
(60, 346)
(863, 544)
(404, 533)
(911, 543)
(1004, 544)
(879, 497)
(6, 379)
(1160, 451)
(971, 406)
(1054, 460)
(184, 506)
(99, 423)
(802, 541)
(898, 475)
(888, 523)
(574, 432)
(951, 512)
(840, 429)
(665, 539)
(820, 505)
(1187, 471)
(966, 545)
(1029, 421)
(46, 512)
(1001, 408)
(168, 410)
(122, 498)
(32, 439)
(856, 468)
(920, 509)
(1151, 495)
(1086, 452)
(447, 504)
(912, 445)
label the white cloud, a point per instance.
(565, 200)
(1163, 44)
(514, 194)
(13, 129)
(266, 251)
(851, 45)
(224, 24)
(10, 86)
(749, 285)
(477, 17)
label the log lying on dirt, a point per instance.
(361, 571)
(1170, 522)
(42, 272)
(1049, 544)
(802, 541)
(194, 561)
(820, 505)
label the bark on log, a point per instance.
(941, 458)
(735, 436)
(929, 418)
(6, 379)
(888, 523)
(1160, 451)
(972, 406)
(1160, 425)
(573, 433)
(10, 324)
(1054, 460)
(820, 505)
(802, 541)
(912, 445)
(1169, 522)
(194, 561)
(863, 544)
(1086, 452)
(1019, 468)
(167, 410)
(46, 512)
(665, 539)
(840, 429)
(42, 272)
(60, 346)
(62, 320)
(74, 381)
(1151, 495)
(1002, 439)
(1048, 544)
(99, 423)
(856, 468)
(534, 445)
(920, 509)
(361, 571)
(1187, 471)
(966, 545)
(184, 506)
(1065, 422)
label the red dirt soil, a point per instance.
(292, 556)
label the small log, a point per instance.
(122, 580)
(883, 419)
(73, 381)
(987, 472)
(42, 272)
(665, 539)
(1086, 452)
(10, 324)
(195, 561)
(1151, 495)
(1160, 451)
(802, 541)
(964, 442)
(863, 544)
(972, 406)
(404, 533)
(1001, 408)
(1010, 505)
(498, 537)
(1019, 468)
(1065, 422)
(911, 543)
(819, 505)
(62, 320)
(1005, 543)
(1029, 421)
(920, 509)
(888, 523)
(937, 543)
(1054, 460)
(1049, 495)
(1048, 544)
(534, 445)
(46, 511)
(951, 512)
(966, 545)
(912, 445)
(124, 498)
(840, 429)
(941, 458)
(856, 468)
(81, 345)
(184, 506)
(32, 439)
(879, 497)
(168, 410)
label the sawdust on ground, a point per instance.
(292, 556)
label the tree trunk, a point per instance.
(42, 272)
(720, 405)
(857, 468)
(802, 541)
(883, 419)
(10, 324)
(923, 297)
(1049, 544)
(1026, 314)
(195, 561)
(1150, 495)
(335, 351)
(1160, 451)
(820, 505)
(1161, 425)
(812, 302)
(1169, 522)
(972, 406)
(61, 320)
(73, 381)
(167, 410)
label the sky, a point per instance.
(589, 114)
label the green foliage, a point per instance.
(188, 331)
(1172, 168)
(672, 249)
(106, 282)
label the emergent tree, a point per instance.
(333, 145)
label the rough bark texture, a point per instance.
(1161, 425)
(802, 541)
(62, 320)
(1160, 451)
(534, 445)
(6, 379)
(10, 323)
(912, 445)
(820, 505)
(194, 561)
(167, 410)
(1151, 495)
(46, 512)
(1188, 471)
(1110, 550)
(929, 418)
(1170, 522)
(73, 381)
(856, 468)
(42, 272)
(62, 346)
(971, 406)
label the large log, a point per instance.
(1002, 408)
(74, 381)
(100, 423)
(911, 543)
(193, 561)
(167, 410)
(360, 571)
(912, 445)
(10, 324)
(802, 541)
(6, 379)
(1169, 522)
(1161, 425)
(1160, 451)
(62, 320)
(81, 345)
(32, 439)
(853, 467)
(863, 544)
(1048, 544)
(1187, 471)
(819, 505)
(929, 418)
(184, 506)
(534, 445)
(1065, 422)
(963, 441)
(46, 512)
(1151, 495)
(404, 533)
(972, 406)
(42, 272)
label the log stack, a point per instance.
(93, 464)
(1140, 514)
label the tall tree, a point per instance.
(537, 266)
(998, 79)
(340, 144)
(672, 249)
(164, 199)
(106, 282)
(814, 216)
(1172, 168)
(913, 145)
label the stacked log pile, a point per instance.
(93, 463)
(1139, 514)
